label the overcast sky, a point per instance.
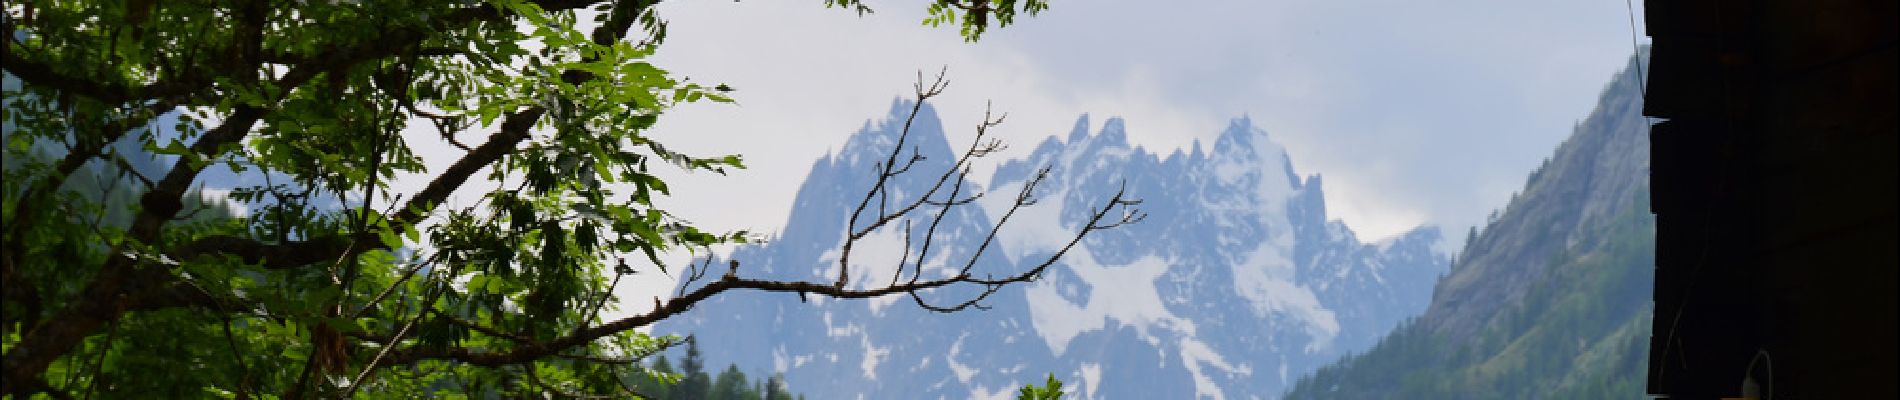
(1416, 112)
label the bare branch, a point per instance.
(884, 176)
(979, 148)
(526, 351)
(601, 301)
(930, 234)
(905, 258)
(693, 274)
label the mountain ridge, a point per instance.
(1550, 299)
(1235, 284)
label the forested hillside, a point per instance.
(1548, 300)
(696, 384)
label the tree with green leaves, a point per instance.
(336, 285)
(654, 384)
(694, 383)
(731, 385)
(1051, 389)
(775, 388)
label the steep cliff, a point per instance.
(1550, 300)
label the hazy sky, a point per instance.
(1416, 112)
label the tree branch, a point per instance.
(38, 73)
(527, 351)
(272, 256)
(514, 128)
(121, 275)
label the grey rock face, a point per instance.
(1236, 283)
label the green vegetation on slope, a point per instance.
(691, 382)
(1579, 333)
(1548, 300)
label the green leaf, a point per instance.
(1051, 390)
(390, 238)
(370, 59)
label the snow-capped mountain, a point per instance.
(1234, 285)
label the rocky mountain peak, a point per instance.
(1236, 283)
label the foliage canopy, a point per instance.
(118, 282)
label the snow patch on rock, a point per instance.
(1135, 301)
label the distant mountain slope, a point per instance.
(1550, 300)
(112, 185)
(1235, 284)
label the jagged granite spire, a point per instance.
(1235, 284)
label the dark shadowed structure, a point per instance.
(1774, 191)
